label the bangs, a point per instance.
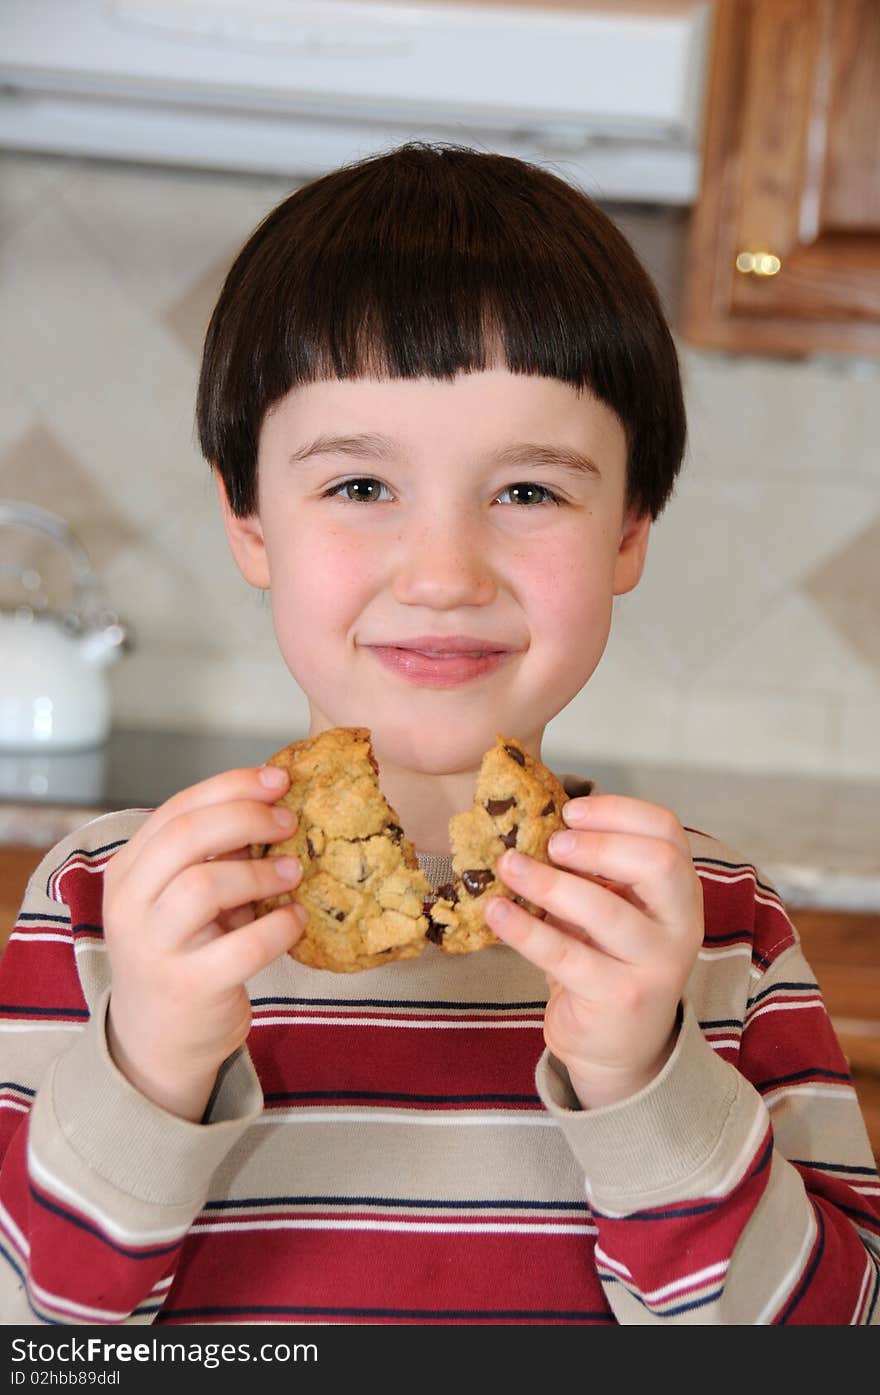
(427, 262)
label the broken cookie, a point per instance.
(361, 883)
(517, 804)
(368, 901)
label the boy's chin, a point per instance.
(443, 748)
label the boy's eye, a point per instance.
(529, 493)
(364, 490)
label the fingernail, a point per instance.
(272, 777)
(288, 868)
(576, 811)
(497, 910)
(515, 863)
(283, 817)
(562, 843)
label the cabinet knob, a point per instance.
(758, 263)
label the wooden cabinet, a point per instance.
(843, 950)
(784, 254)
(17, 861)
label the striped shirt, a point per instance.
(397, 1146)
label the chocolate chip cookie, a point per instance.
(518, 804)
(362, 886)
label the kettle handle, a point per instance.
(16, 513)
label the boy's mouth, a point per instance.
(441, 661)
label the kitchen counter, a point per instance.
(815, 839)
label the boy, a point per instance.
(443, 407)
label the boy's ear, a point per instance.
(245, 538)
(632, 551)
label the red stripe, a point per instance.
(367, 1270)
(329, 1060)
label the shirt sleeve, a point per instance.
(739, 1186)
(98, 1186)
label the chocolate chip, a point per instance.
(435, 933)
(549, 808)
(509, 839)
(499, 806)
(516, 755)
(449, 892)
(476, 880)
(309, 848)
(340, 915)
(395, 832)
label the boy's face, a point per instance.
(441, 556)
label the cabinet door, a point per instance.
(785, 242)
(16, 864)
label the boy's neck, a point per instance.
(425, 803)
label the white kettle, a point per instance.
(54, 690)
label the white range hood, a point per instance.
(610, 96)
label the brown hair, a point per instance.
(427, 261)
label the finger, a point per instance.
(235, 957)
(565, 958)
(659, 874)
(612, 924)
(265, 783)
(615, 813)
(198, 834)
(198, 896)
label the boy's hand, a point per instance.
(616, 960)
(180, 931)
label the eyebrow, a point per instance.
(520, 454)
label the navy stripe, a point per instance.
(732, 937)
(810, 1073)
(685, 1307)
(43, 1316)
(14, 1085)
(868, 1219)
(808, 1276)
(870, 1172)
(89, 853)
(437, 1314)
(99, 1234)
(870, 1313)
(802, 986)
(279, 1095)
(35, 915)
(674, 1213)
(721, 1022)
(699, 860)
(400, 1203)
(84, 925)
(17, 1009)
(23, 1277)
(430, 1003)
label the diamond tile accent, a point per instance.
(846, 589)
(38, 469)
(188, 317)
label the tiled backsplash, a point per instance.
(752, 643)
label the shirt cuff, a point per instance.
(93, 1132)
(673, 1139)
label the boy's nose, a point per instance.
(443, 566)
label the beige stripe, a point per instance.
(395, 1161)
